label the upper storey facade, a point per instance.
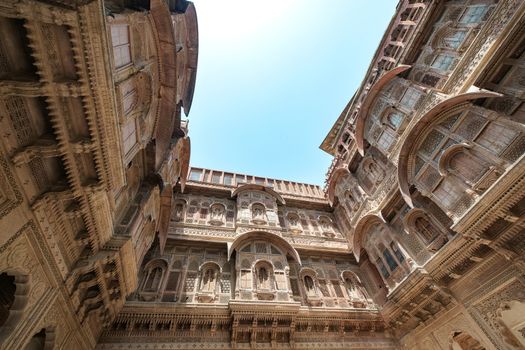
(222, 206)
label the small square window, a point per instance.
(216, 177)
(228, 179)
(454, 41)
(195, 175)
(442, 62)
(410, 98)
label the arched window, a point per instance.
(464, 341)
(353, 286)
(258, 213)
(309, 286)
(40, 341)
(395, 119)
(265, 280)
(455, 39)
(295, 223)
(425, 229)
(375, 171)
(154, 275)
(351, 200)
(178, 211)
(326, 225)
(209, 280)
(263, 277)
(153, 281)
(7, 296)
(217, 214)
(208, 287)
(466, 166)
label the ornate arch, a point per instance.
(158, 262)
(210, 263)
(419, 130)
(304, 271)
(351, 274)
(368, 102)
(438, 40)
(338, 174)
(448, 154)
(278, 241)
(362, 228)
(254, 187)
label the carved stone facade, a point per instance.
(109, 240)
(92, 137)
(441, 112)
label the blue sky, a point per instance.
(272, 78)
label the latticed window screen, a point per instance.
(386, 139)
(450, 121)
(454, 40)
(496, 138)
(225, 284)
(431, 142)
(16, 107)
(295, 286)
(337, 289)
(410, 98)
(246, 279)
(129, 135)
(324, 288)
(419, 164)
(216, 177)
(395, 119)
(448, 193)
(442, 62)
(260, 248)
(470, 126)
(429, 178)
(173, 280)
(228, 179)
(189, 286)
(473, 14)
(39, 173)
(515, 150)
(430, 80)
(120, 42)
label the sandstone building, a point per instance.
(110, 240)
